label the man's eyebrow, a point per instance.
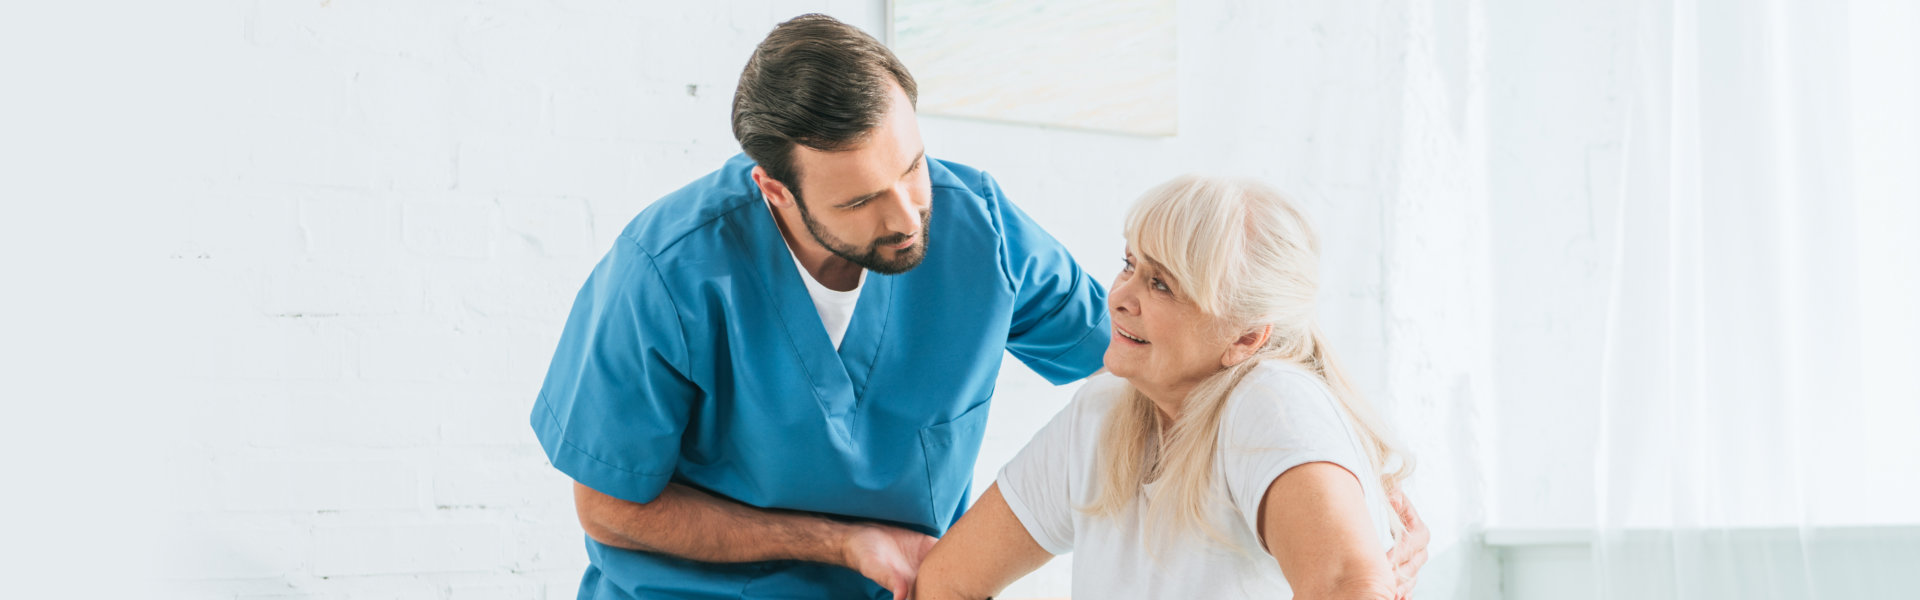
(866, 197)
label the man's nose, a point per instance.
(903, 216)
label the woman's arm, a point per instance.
(1313, 519)
(983, 553)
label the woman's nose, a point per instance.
(1120, 298)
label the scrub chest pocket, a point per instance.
(950, 449)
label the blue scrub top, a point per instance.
(694, 355)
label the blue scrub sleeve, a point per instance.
(1059, 324)
(615, 400)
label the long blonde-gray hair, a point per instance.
(1246, 258)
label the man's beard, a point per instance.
(870, 259)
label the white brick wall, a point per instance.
(353, 245)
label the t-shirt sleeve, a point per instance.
(615, 401)
(1038, 483)
(1059, 326)
(1276, 421)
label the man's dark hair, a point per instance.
(817, 82)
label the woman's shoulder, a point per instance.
(1104, 388)
(1282, 398)
(1097, 396)
(1283, 382)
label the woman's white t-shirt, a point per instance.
(1279, 417)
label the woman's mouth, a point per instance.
(1129, 336)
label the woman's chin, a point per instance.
(1118, 366)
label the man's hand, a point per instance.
(890, 556)
(1408, 555)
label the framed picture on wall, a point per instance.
(1104, 65)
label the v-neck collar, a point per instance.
(839, 377)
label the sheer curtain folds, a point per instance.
(1760, 408)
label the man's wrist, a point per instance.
(830, 542)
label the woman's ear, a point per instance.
(1246, 345)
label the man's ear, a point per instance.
(775, 192)
(1244, 346)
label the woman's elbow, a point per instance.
(1370, 586)
(937, 580)
(924, 590)
(1353, 586)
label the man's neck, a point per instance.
(835, 273)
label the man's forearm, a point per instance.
(691, 524)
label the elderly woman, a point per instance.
(1224, 456)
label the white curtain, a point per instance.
(1761, 376)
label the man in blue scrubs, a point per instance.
(775, 383)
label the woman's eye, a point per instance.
(1128, 268)
(1160, 285)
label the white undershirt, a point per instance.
(1278, 417)
(835, 307)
